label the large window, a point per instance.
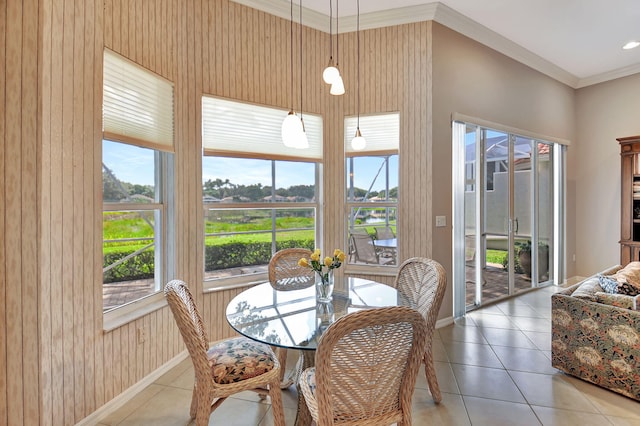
(372, 190)
(137, 164)
(258, 196)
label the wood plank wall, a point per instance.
(53, 348)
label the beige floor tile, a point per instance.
(449, 412)
(289, 417)
(465, 321)
(557, 417)
(444, 374)
(623, 421)
(532, 324)
(542, 339)
(132, 405)
(517, 310)
(491, 320)
(472, 354)
(169, 407)
(607, 402)
(486, 382)
(522, 359)
(438, 350)
(507, 337)
(170, 376)
(456, 333)
(491, 412)
(551, 390)
(491, 309)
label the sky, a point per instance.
(135, 165)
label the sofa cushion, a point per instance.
(618, 300)
(588, 288)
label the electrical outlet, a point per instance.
(142, 335)
(441, 221)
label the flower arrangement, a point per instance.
(323, 268)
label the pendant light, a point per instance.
(330, 73)
(358, 143)
(337, 85)
(292, 128)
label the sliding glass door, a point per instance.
(506, 193)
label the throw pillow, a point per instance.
(628, 289)
(630, 274)
(608, 284)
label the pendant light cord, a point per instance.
(291, 56)
(301, 29)
(358, 35)
(330, 29)
(337, 33)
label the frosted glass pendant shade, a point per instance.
(330, 73)
(337, 87)
(302, 142)
(292, 130)
(358, 143)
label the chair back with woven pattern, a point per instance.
(423, 281)
(366, 366)
(189, 321)
(286, 274)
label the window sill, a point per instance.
(385, 271)
(132, 311)
(234, 282)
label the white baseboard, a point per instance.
(443, 322)
(117, 402)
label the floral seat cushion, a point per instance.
(239, 359)
(309, 378)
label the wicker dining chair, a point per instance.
(423, 281)
(285, 274)
(366, 368)
(222, 369)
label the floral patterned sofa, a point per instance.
(596, 335)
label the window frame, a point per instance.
(380, 151)
(123, 78)
(293, 155)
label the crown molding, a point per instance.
(607, 76)
(282, 9)
(446, 16)
(470, 28)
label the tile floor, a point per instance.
(493, 368)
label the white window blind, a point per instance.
(137, 107)
(245, 130)
(381, 131)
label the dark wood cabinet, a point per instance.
(630, 199)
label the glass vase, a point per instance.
(324, 286)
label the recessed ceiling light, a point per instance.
(631, 45)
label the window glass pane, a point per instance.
(372, 235)
(235, 180)
(129, 256)
(241, 241)
(128, 173)
(295, 182)
(372, 178)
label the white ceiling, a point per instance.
(578, 42)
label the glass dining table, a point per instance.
(294, 320)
